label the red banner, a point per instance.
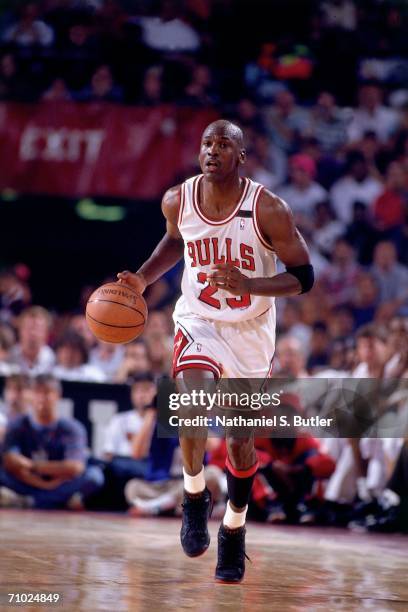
(70, 149)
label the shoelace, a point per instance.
(232, 552)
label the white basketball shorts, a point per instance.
(229, 350)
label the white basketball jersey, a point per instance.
(235, 239)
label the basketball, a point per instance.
(116, 313)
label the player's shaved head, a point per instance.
(223, 127)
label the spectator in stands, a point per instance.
(72, 360)
(291, 358)
(32, 354)
(361, 234)
(107, 358)
(289, 467)
(159, 342)
(356, 186)
(302, 193)
(319, 347)
(152, 87)
(168, 31)
(392, 280)
(327, 229)
(390, 207)
(127, 439)
(79, 325)
(291, 323)
(29, 30)
(365, 299)
(57, 92)
(45, 456)
(124, 425)
(102, 88)
(17, 396)
(15, 295)
(271, 158)
(286, 121)
(7, 341)
(371, 352)
(327, 124)
(371, 115)
(11, 87)
(200, 90)
(340, 323)
(134, 363)
(339, 279)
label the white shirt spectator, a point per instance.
(171, 35)
(347, 190)
(39, 33)
(302, 201)
(43, 365)
(119, 432)
(83, 373)
(107, 359)
(382, 121)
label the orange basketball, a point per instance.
(116, 313)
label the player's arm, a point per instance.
(277, 226)
(169, 250)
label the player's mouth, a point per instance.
(212, 165)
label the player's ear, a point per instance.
(242, 156)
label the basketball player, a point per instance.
(230, 230)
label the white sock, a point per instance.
(194, 484)
(233, 519)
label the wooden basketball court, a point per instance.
(116, 563)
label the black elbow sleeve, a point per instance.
(304, 274)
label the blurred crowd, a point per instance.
(328, 135)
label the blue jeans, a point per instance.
(86, 484)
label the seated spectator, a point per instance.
(339, 279)
(79, 325)
(302, 193)
(371, 352)
(271, 157)
(389, 209)
(32, 354)
(135, 362)
(319, 347)
(152, 87)
(360, 233)
(159, 342)
(15, 295)
(340, 323)
(327, 229)
(391, 278)
(327, 124)
(168, 32)
(29, 30)
(124, 425)
(371, 115)
(107, 358)
(7, 341)
(356, 186)
(291, 322)
(11, 86)
(291, 358)
(200, 90)
(397, 348)
(72, 360)
(17, 396)
(57, 92)
(286, 121)
(365, 300)
(45, 456)
(289, 469)
(102, 88)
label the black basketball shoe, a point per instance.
(194, 535)
(231, 555)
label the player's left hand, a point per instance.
(228, 277)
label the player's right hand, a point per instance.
(135, 280)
